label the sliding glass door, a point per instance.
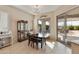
(62, 32)
(68, 30)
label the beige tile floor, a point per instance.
(23, 48)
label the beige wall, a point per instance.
(15, 15)
(53, 23)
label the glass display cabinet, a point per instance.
(22, 27)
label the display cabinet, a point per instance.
(22, 27)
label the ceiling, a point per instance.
(42, 8)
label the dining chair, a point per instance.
(38, 40)
(29, 36)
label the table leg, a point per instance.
(41, 43)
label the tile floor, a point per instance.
(23, 48)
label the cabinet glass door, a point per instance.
(19, 26)
(26, 27)
(22, 26)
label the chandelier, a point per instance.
(36, 8)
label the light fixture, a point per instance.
(36, 8)
(39, 22)
(47, 23)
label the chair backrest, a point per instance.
(28, 35)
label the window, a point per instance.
(3, 22)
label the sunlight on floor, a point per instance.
(51, 45)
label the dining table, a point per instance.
(38, 38)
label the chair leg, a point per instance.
(33, 44)
(45, 43)
(29, 43)
(41, 44)
(37, 44)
